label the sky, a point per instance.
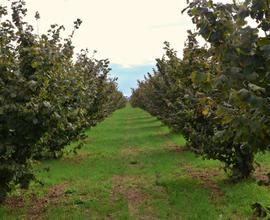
(130, 33)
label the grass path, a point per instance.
(132, 167)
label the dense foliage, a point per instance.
(47, 98)
(217, 95)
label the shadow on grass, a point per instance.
(150, 121)
(147, 127)
(189, 199)
(143, 120)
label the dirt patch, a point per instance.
(160, 134)
(205, 177)
(130, 187)
(36, 207)
(176, 148)
(260, 175)
(56, 192)
(53, 196)
(77, 159)
(130, 151)
(15, 203)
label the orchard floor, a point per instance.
(132, 167)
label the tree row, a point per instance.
(217, 94)
(48, 97)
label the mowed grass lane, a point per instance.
(132, 167)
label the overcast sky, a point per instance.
(130, 33)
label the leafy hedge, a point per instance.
(217, 95)
(46, 97)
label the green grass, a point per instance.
(131, 168)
